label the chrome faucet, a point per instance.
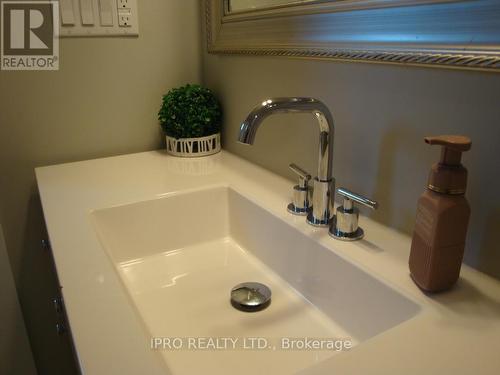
(324, 183)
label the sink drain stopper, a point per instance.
(250, 296)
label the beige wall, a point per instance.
(381, 113)
(103, 101)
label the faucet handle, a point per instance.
(345, 224)
(351, 196)
(300, 201)
(304, 177)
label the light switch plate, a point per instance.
(107, 18)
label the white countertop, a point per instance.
(457, 332)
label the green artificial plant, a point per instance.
(190, 111)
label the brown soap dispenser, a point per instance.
(438, 242)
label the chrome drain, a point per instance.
(250, 296)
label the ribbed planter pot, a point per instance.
(193, 147)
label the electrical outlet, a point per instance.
(124, 13)
(123, 4)
(124, 19)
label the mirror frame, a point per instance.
(463, 34)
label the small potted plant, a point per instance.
(190, 116)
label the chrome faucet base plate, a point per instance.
(297, 211)
(357, 235)
(316, 222)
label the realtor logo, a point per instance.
(29, 35)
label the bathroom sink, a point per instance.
(180, 255)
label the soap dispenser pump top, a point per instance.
(448, 176)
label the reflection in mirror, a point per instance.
(234, 6)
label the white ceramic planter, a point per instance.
(193, 147)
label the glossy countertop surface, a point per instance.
(455, 333)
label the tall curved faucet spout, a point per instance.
(249, 127)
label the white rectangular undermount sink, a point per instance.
(178, 257)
